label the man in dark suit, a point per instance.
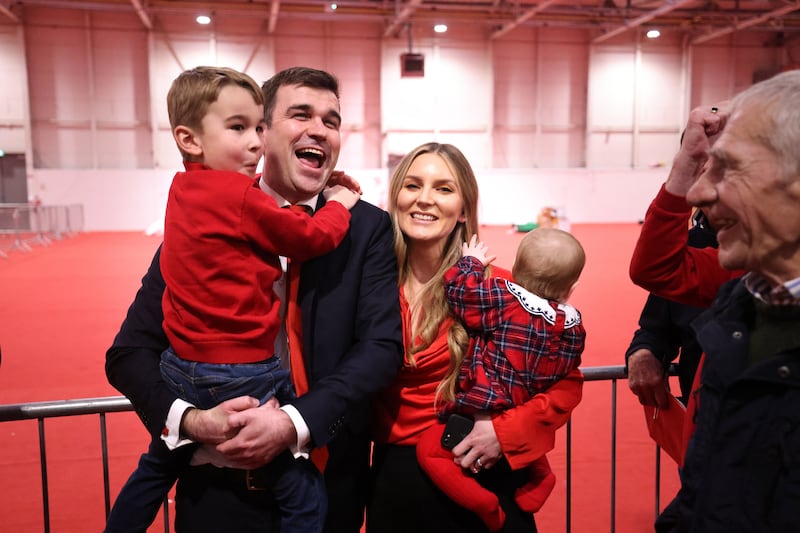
(352, 343)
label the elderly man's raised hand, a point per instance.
(704, 126)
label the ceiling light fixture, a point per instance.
(440, 28)
(653, 34)
(203, 19)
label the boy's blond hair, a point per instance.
(194, 90)
(549, 262)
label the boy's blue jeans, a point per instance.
(302, 500)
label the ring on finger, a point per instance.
(478, 463)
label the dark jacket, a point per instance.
(352, 346)
(742, 469)
(665, 326)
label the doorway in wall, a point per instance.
(13, 179)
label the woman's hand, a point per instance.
(480, 448)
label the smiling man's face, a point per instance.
(748, 200)
(302, 141)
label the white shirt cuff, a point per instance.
(300, 449)
(171, 435)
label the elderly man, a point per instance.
(742, 466)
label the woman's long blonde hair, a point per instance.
(430, 307)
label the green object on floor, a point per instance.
(525, 228)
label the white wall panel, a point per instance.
(657, 149)
(351, 51)
(131, 200)
(612, 77)
(559, 149)
(61, 106)
(243, 48)
(635, 92)
(13, 91)
(453, 99)
(585, 196)
(515, 78)
(711, 66)
(58, 73)
(659, 104)
(609, 149)
(540, 99)
(732, 63)
(658, 85)
(517, 102)
(89, 97)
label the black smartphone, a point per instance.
(457, 427)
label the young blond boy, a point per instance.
(223, 238)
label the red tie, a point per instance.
(294, 334)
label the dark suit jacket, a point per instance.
(352, 346)
(665, 326)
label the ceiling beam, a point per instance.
(508, 26)
(747, 23)
(671, 5)
(402, 17)
(7, 12)
(143, 16)
(274, 9)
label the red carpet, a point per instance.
(61, 305)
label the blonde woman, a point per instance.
(433, 203)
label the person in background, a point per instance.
(222, 241)
(664, 333)
(351, 344)
(433, 203)
(741, 469)
(523, 339)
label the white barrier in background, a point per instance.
(24, 225)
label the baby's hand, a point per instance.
(343, 195)
(338, 177)
(477, 249)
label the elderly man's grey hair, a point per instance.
(777, 100)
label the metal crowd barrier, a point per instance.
(25, 225)
(112, 404)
